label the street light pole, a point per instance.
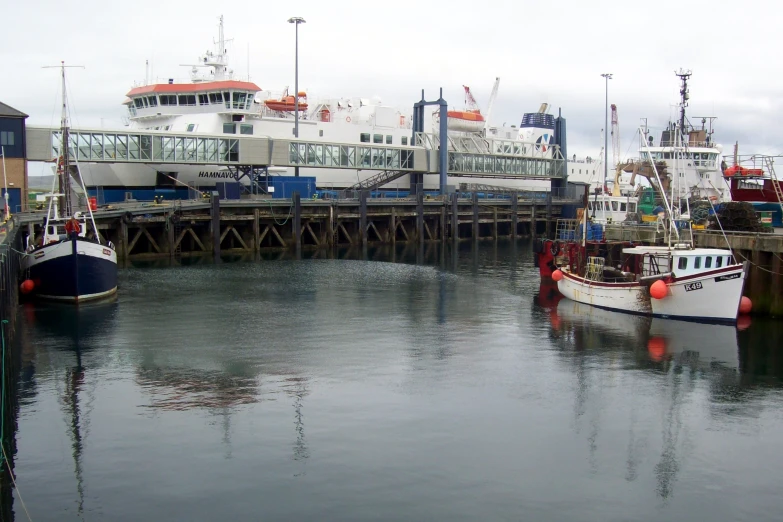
(607, 77)
(296, 20)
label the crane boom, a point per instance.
(470, 101)
(492, 97)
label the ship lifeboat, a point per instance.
(465, 121)
(287, 103)
(737, 170)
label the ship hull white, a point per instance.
(709, 296)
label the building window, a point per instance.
(697, 262)
(404, 140)
(364, 137)
(7, 138)
(203, 99)
(191, 127)
(388, 140)
(683, 263)
(708, 262)
(229, 128)
(377, 138)
(246, 128)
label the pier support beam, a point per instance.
(420, 215)
(533, 222)
(215, 223)
(455, 217)
(475, 217)
(363, 217)
(256, 230)
(514, 214)
(297, 221)
(443, 223)
(548, 214)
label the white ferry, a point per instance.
(214, 102)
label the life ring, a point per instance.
(127, 217)
(554, 248)
(348, 119)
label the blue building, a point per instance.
(13, 145)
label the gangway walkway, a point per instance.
(468, 156)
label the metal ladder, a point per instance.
(377, 180)
(768, 161)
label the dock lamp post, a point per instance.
(296, 20)
(607, 77)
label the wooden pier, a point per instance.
(214, 226)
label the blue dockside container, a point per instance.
(228, 190)
(285, 186)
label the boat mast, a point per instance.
(684, 96)
(65, 169)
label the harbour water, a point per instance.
(445, 385)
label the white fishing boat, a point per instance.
(68, 261)
(674, 281)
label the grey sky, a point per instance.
(542, 51)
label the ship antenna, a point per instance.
(684, 95)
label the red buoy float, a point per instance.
(557, 275)
(746, 305)
(27, 286)
(659, 290)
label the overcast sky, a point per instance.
(542, 51)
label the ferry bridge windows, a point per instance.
(246, 128)
(239, 100)
(168, 99)
(388, 140)
(229, 128)
(683, 263)
(139, 103)
(215, 97)
(405, 140)
(227, 99)
(377, 138)
(153, 101)
(203, 99)
(191, 127)
(187, 99)
(364, 137)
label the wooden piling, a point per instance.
(514, 215)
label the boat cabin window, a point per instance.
(227, 99)
(187, 99)
(614, 206)
(708, 262)
(682, 264)
(246, 128)
(138, 103)
(388, 140)
(229, 128)
(404, 140)
(239, 100)
(623, 207)
(697, 262)
(203, 99)
(215, 97)
(364, 137)
(631, 207)
(191, 127)
(168, 99)
(718, 261)
(667, 155)
(377, 138)
(153, 101)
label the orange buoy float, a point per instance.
(746, 305)
(659, 290)
(743, 322)
(27, 286)
(557, 275)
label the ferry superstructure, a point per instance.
(214, 102)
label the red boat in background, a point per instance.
(756, 183)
